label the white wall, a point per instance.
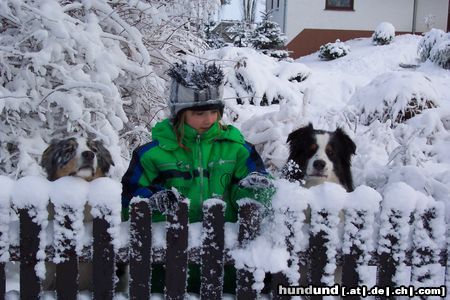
(367, 14)
(438, 9)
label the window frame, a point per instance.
(331, 7)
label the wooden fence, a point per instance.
(420, 258)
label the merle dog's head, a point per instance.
(85, 158)
(316, 156)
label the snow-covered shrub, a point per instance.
(427, 42)
(254, 78)
(384, 34)
(294, 72)
(334, 50)
(394, 97)
(440, 53)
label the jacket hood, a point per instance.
(164, 133)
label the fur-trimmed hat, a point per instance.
(195, 86)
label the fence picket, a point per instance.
(428, 239)
(29, 246)
(67, 271)
(356, 251)
(102, 260)
(3, 251)
(140, 250)
(2, 281)
(249, 226)
(212, 259)
(176, 253)
(391, 252)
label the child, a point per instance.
(196, 154)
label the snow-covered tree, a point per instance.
(268, 36)
(87, 68)
(248, 10)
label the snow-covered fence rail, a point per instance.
(316, 237)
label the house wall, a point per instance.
(367, 14)
(308, 25)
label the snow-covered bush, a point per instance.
(440, 53)
(334, 50)
(384, 34)
(254, 78)
(427, 42)
(394, 97)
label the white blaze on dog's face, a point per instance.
(86, 160)
(320, 168)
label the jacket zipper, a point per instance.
(200, 167)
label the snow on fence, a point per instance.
(343, 238)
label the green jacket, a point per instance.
(210, 167)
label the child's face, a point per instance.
(201, 120)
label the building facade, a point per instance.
(311, 23)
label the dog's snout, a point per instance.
(319, 164)
(88, 155)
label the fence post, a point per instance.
(67, 270)
(6, 185)
(293, 218)
(212, 255)
(249, 226)
(353, 253)
(357, 250)
(428, 241)
(140, 249)
(176, 253)
(29, 246)
(102, 260)
(317, 254)
(2, 280)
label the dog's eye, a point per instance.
(329, 150)
(313, 147)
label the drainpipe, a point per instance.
(414, 17)
(284, 16)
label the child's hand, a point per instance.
(261, 188)
(256, 181)
(166, 202)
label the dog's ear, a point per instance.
(349, 144)
(47, 159)
(103, 156)
(300, 134)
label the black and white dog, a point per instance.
(317, 156)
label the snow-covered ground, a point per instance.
(409, 159)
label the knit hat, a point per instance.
(195, 86)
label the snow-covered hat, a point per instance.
(195, 86)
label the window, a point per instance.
(339, 4)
